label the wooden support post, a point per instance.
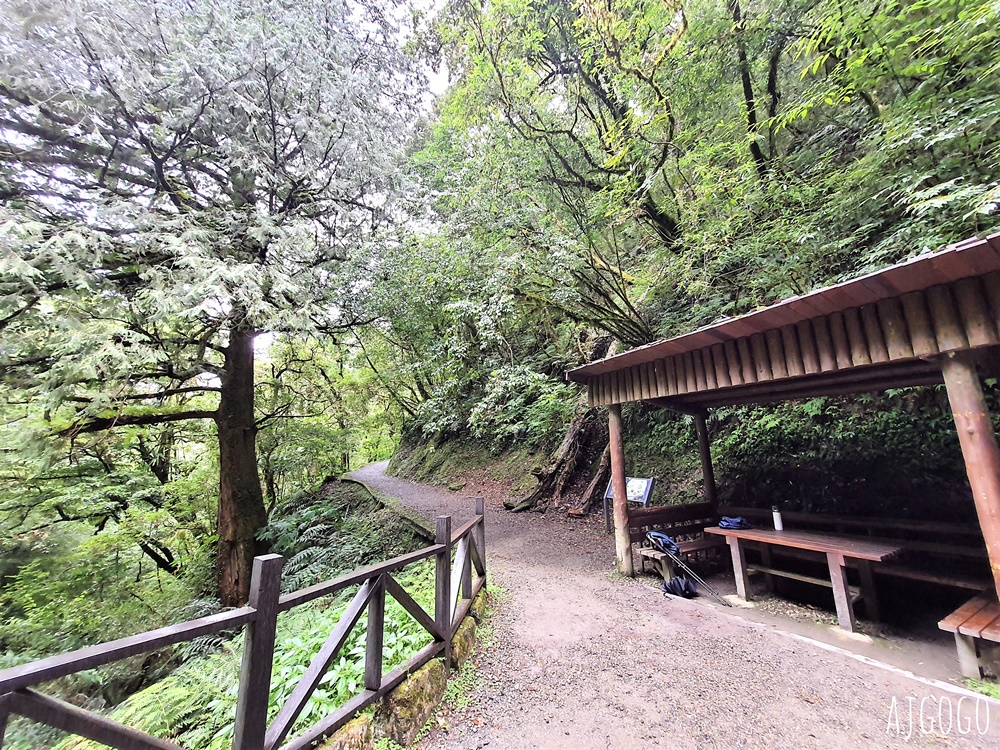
(841, 593)
(739, 567)
(623, 545)
(442, 581)
(968, 657)
(767, 562)
(374, 637)
(466, 576)
(481, 533)
(4, 715)
(868, 590)
(979, 447)
(258, 654)
(705, 448)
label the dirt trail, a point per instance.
(583, 659)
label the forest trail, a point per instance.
(583, 659)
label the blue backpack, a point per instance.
(662, 542)
(738, 522)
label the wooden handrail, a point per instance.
(54, 667)
(302, 596)
(73, 719)
(455, 589)
(464, 529)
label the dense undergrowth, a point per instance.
(321, 534)
(446, 461)
(894, 455)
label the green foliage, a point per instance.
(523, 406)
(989, 689)
(639, 169)
(58, 603)
(337, 529)
(896, 456)
(662, 444)
(322, 534)
(96, 542)
(171, 189)
(195, 705)
(321, 409)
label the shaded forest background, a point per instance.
(202, 318)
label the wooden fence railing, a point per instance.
(455, 588)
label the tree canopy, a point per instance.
(176, 179)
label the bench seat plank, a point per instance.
(954, 621)
(985, 617)
(685, 523)
(687, 546)
(975, 621)
(856, 547)
(992, 631)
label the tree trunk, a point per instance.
(271, 485)
(559, 471)
(241, 501)
(749, 101)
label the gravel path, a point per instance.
(583, 659)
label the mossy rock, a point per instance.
(479, 606)
(354, 735)
(463, 643)
(401, 715)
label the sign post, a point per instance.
(638, 490)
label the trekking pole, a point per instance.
(696, 577)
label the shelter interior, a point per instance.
(930, 320)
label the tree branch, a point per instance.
(98, 424)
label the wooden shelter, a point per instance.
(932, 319)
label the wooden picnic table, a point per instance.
(838, 549)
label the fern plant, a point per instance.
(321, 534)
(196, 705)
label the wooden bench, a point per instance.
(836, 548)
(962, 564)
(894, 528)
(975, 625)
(685, 524)
(854, 593)
(961, 579)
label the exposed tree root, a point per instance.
(553, 479)
(595, 490)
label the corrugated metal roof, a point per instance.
(972, 257)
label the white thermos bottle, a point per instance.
(778, 526)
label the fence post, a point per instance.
(3, 719)
(258, 654)
(442, 587)
(376, 630)
(481, 533)
(465, 546)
